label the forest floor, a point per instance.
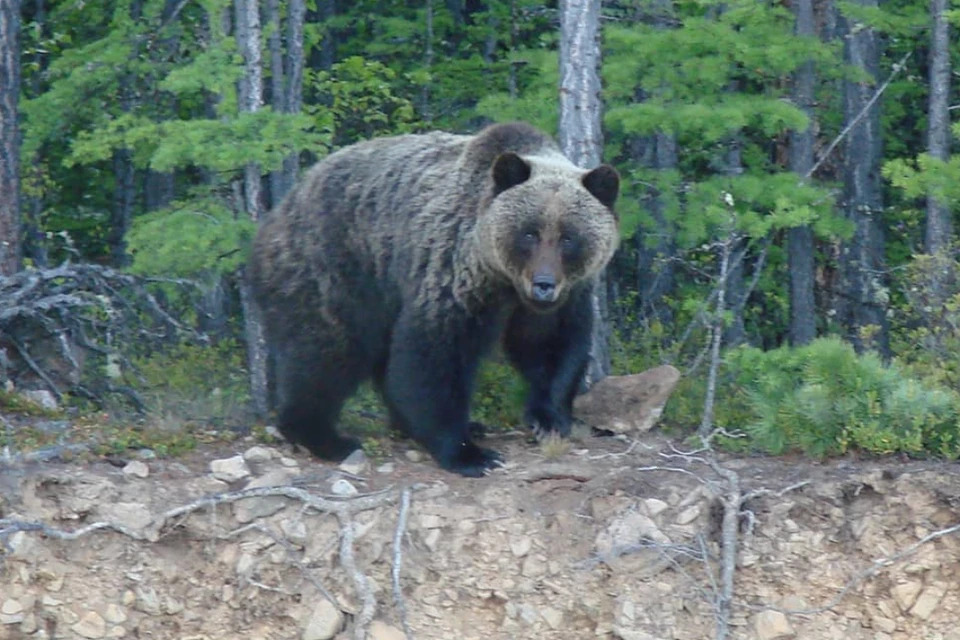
(610, 539)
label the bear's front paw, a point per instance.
(545, 421)
(472, 461)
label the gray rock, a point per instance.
(324, 622)
(41, 398)
(137, 469)
(229, 469)
(356, 463)
(250, 509)
(382, 631)
(258, 454)
(772, 625)
(343, 488)
(90, 625)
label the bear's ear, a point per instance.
(509, 170)
(604, 184)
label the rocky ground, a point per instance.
(608, 540)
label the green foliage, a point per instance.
(188, 238)
(191, 384)
(499, 396)
(926, 333)
(824, 399)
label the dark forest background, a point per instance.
(787, 180)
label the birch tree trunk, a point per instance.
(800, 249)
(581, 137)
(864, 294)
(247, 31)
(939, 222)
(9, 137)
(293, 70)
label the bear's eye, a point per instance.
(529, 236)
(566, 241)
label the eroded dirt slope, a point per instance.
(593, 544)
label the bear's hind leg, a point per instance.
(312, 386)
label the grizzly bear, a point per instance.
(404, 259)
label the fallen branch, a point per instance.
(398, 559)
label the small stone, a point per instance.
(257, 454)
(688, 515)
(432, 539)
(250, 509)
(289, 463)
(905, 594)
(91, 625)
(927, 602)
(324, 622)
(132, 515)
(147, 454)
(552, 617)
(533, 567)
(885, 625)
(129, 598)
(413, 455)
(229, 469)
(115, 614)
(41, 398)
(772, 625)
(521, 546)
(655, 507)
(147, 600)
(355, 464)
(172, 606)
(29, 624)
(11, 612)
(117, 631)
(343, 488)
(295, 531)
(431, 521)
(386, 467)
(382, 631)
(137, 469)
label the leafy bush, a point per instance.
(825, 399)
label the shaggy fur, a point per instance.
(404, 259)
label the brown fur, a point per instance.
(428, 223)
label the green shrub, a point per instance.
(824, 399)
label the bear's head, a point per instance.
(548, 225)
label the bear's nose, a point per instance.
(544, 288)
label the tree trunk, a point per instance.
(735, 287)
(656, 247)
(9, 137)
(278, 95)
(247, 31)
(428, 63)
(939, 222)
(800, 247)
(581, 137)
(862, 309)
(293, 101)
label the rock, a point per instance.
(137, 469)
(343, 488)
(115, 614)
(132, 515)
(927, 602)
(11, 612)
(229, 469)
(413, 455)
(250, 509)
(772, 625)
(324, 622)
(431, 521)
(147, 600)
(289, 463)
(386, 467)
(520, 546)
(355, 464)
(383, 631)
(552, 617)
(655, 507)
(688, 515)
(627, 404)
(295, 531)
(41, 398)
(91, 625)
(905, 594)
(255, 455)
(629, 529)
(147, 454)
